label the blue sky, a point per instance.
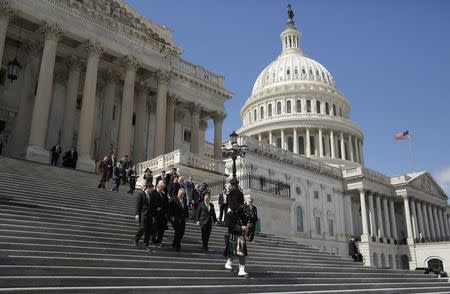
(391, 59)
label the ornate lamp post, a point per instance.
(234, 152)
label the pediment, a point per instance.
(427, 183)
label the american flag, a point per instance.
(402, 135)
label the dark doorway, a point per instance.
(436, 265)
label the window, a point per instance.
(299, 105)
(299, 214)
(340, 111)
(288, 106)
(334, 110)
(339, 148)
(278, 107)
(303, 71)
(316, 194)
(187, 136)
(327, 108)
(133, 120)
(269, 109)
(346, 150)
(301, 145)
(323, 146)
(288, 72)
(308, 105)
(114, 113)
(318, 229)
(79, 102)
(254, 115)
(261, 112)
(279, 142)
(290, 143)
(313, 145)
(329, 197)
(311, 72)
(331, 227)
(317, 106)
(296, 71)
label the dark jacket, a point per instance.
(117, 173)
(204, 216)
(252, 213)
(196, 196)
(352, 248)
(174, 189)
(221, 199)
(148, 179)
(159, 178)
(177, 210)
(143, 206)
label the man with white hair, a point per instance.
(178, 212)
(159, 203)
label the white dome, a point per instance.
(292, 66)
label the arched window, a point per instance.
(375, 260)
(340, 111)
(269, 109)
(327, 108)
(346, 150)
(334, 109)
(391, 261)
(254, 115)
(288, 72)
(383, 260)
(279, 142)
(317, 106)
(405, 262)
(303, 71)
(313, 145)
(301, 145)
(318, 228)
(331, 227)
(261, 112)
(290, 144)
(299, 215)
(339, 148)
(296, 71)
(278, 107)
(308, 105)
(288, 106)
(299, 105)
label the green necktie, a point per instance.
(207, 206)
(148, 200)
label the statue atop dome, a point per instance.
(290, 13)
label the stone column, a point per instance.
(259, 137)
(308, 143)
(163, 79)
(350, 148)
(420, 219)
(349, 213)
(441, 225)
(282, 139)
(218, 119)
(342, 147)
(445, 220)
(427, 222)
(270, 138)
(386, 218)
(36, 150)
(431, 220)
(409, 229)
(393, 221)
(414, 215)
(436, 224)
(29, 76)
(333, 154)
(70, 107)
(379, 217)
(371, 215)
(87, 116)
(140, 129)
(170, 122)
(6, 14)
(130, 64)
(203, 124)
(195, 129)
(357, 150)
(365, 225)
(109, 94)
(320, 143)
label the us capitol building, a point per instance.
(99, 76)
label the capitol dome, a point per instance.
(295, 105)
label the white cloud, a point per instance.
(443, 178)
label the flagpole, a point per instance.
(413, 161)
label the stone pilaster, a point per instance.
(365, 222)
(73, 82)
(409, 229)
(85, 161)
(36, 150)
(140, 129)
(218, 119)
(393, 220)
(163, 79)
(126, 115)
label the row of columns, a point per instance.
(43, 100)
(328, 149)
(428, 222)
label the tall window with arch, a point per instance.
(308, 106)
(312, 141)
(299, 217)
(278, 107)
(334, 109)
(261, 112)
(288, 106)
(317, 106)
(299, 105)
(269, 109)
(327, 108)
(255, 117)
(301, 145)
(290, 144)
(340, 111)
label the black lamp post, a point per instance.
(14, 66)
(234, 152)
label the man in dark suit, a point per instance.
(223, 204)
(55, 152)
(145, 216)
(178, 212)
(159, 204)
(252, 217)
(195, 201)
(353, 250)
(71, 157)
(206, 215)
